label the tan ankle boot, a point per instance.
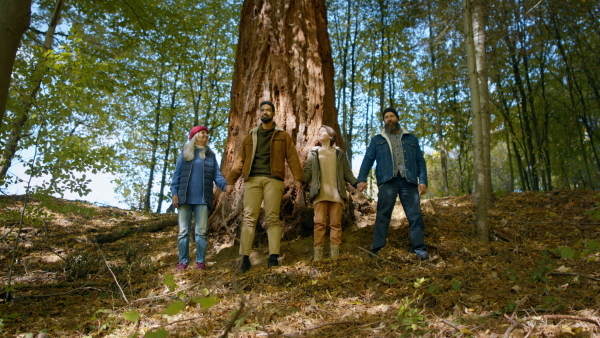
(335, 252)
(318, 253)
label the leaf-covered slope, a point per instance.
(541, 266)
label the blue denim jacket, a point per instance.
(380, 150)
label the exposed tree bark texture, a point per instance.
(478, 158)
(484, 99)
(283, 55)
(15, 16)
(16, 130)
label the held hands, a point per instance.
(175, 200)
(229, 189)
(361, 186)
(298, 187)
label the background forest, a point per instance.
(114, 86)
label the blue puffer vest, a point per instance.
(210, 167)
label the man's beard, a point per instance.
(392, 127)
(266, 119)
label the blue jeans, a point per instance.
(201, 227)
(409, 197)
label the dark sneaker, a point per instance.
(200, 266)
(422, 255)
(245, 263)
(180, 267)
(373, 253)
(273, 260)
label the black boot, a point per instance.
(245, 263)
(273, 260)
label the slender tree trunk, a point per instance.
(16, 129)
(545, 126)
(484, 97)
(436, 103)
(155, 142)
(14, 21)
(505, 108)
(478, 143)
(521, 96)
(348, 141)
(344, 76)
(166, 159)
(283, 55)
(163, 182)
(382, 62)
(511, 177)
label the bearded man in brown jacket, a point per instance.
(261, 161)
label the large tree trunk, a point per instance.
(14, 21)
(283, 55)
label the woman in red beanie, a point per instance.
(192, 191)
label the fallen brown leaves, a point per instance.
(516, 285)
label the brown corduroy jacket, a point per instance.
(282, 149)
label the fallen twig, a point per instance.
(243, 302)
(572, 274)
(165, 295)
(511, 329)
(233, 319)
(450, 324)
(111, 272)
(510, 319)
(380, 258)
(531, 331)
(58, 285)
(582, 319)
(62, 293)
(328, 324)
(538, 318)
(387, 260)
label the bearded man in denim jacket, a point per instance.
(400, 171)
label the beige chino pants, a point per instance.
(257, 189)
(334, 209)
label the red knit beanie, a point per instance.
(197, 129)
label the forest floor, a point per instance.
(539, 276)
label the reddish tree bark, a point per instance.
(284, 56)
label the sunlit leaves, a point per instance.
(174, 308)
(160, 333)
(170, 282)
(132, 316)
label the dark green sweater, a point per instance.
(262, 158)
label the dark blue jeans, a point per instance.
(409, 197)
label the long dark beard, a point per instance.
(392, 128)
